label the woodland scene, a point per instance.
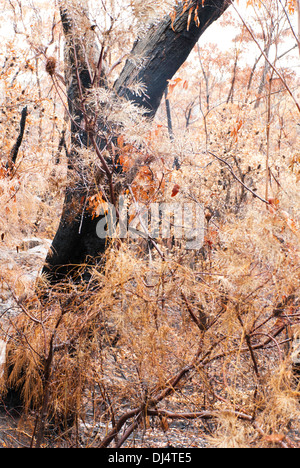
(149, 224)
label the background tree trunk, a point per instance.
(165, 46)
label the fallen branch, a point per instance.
(116, 429)
(197, 321)
(198, 414)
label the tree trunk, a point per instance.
(165, 46)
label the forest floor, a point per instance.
(15, 430)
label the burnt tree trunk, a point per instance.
(165, 46)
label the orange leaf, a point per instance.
(97, 206)
(175, 190)
(236, 129)
(131, 217)
(208, 241)
(196, 18)
(126, 162)
(291, 6)
(292, 225)
(120, 141)
(158, 130)
(186, 5)
(273, 201)
(3, 172)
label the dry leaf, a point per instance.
(175, 190)
(273, 201)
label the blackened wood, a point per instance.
(165, 47)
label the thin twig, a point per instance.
(198, 322)
(266, 58)
(237, 178)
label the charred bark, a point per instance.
(165, 47)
